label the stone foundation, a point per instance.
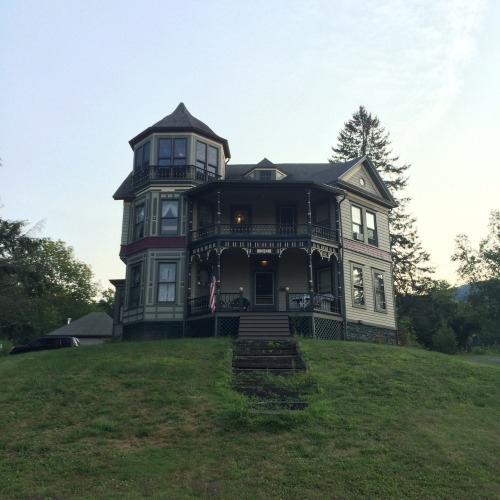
(153, 330)
(367, 333)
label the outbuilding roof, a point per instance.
(93, 325)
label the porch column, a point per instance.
(218, 217)
(218, 270)
(309, 249)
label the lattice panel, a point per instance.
(300, 325)
(328, 329)
(228, 327)
(201, 327)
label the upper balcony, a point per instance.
(264, 235)
(169, 174)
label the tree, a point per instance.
(41, 283)
(363, 135)
(480, 270)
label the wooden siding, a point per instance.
(368, 314)
(353, 177)
(125, 222)
(293, 274)
(235, 272)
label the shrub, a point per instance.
(444, 340)
(5, 346)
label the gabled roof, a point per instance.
(96, 324)
(332, 174)
(181, 120)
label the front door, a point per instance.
(264, 297)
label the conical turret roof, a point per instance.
(181, 120)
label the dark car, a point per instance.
(44, 343)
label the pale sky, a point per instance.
(278, 79)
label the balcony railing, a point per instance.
(287, 231)
(173, 173)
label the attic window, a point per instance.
(267, 175)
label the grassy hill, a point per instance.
(159, 420)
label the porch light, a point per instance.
(241, 288)
(239, 218)
(264, 262)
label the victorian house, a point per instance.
(208, 244)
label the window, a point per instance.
(207, 157)
(139, 222)
(379, 291)
(240, 216)
(205, 218)
(358, 294)
(169, 217)
(362, 219)
(172, 152)
(321, 216)
(166, 282)
(135, 286)
(371, 228)
(267, 175)
(324, 281)
(286, 219)
(357, 223)
(141, 160)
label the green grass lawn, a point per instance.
(159, 420)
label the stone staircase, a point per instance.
(266, 326)
(268, 372)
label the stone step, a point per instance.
(269, 362)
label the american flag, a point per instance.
(213, 285)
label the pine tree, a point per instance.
(363, 135)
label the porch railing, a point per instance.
(227, 302)
(295, 302)
(257, 230)
(300, 302)
(168, 173)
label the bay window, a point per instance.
(139, 222)
(135, 286)
(167, 272)
(169, 217)
(141, 157)
(207, 157)
(172, 152)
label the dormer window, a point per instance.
(265, 174)
(141, 160)
(172, 152)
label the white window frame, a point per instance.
(360, 229)
(163, 217)
(358, 287)
(167, 284)
(378, 306)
